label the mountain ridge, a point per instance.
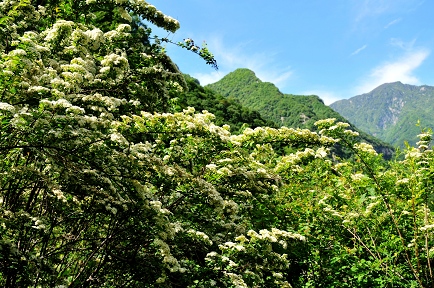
(225, 109)
(296, 111)
(391, 111)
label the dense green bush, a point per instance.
(100, 187)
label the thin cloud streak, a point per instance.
(370, 8)
(392, 23)
(368, 14)
(359, 50)
(399, 70)
(366, 9)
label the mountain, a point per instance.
(227, 110)
(391, 111)
(285, 109)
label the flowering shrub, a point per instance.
(100, 186)
(258, 259)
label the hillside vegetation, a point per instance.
(391, 111)
(287, 110)
(284, 109)
(106, 180)
(226, 110)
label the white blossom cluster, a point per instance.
(99, 62)
(6, 107)
(329, 127)
(413, 153)
(62, 93)
(201, 236)
(283, 134)
(325, 122)
(236, 269)
(428, 227)
(168, 259)
(364, 147)
(292, 162)
(371, 206)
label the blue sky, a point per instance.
(331, 48)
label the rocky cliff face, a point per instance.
(391, 111)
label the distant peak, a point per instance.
(245, 72)
(397, 83)
(391, 84)
(242, 75)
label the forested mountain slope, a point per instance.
(226, 110)
(391, 111)
(284, 109)
(287, 110)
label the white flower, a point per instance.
(427, 227)
(38, 89)
(124, 14)
(75, 110)
(321, 153)
(325, 122)
(413, 153)
(6, 107)
(211, 254)
(118, 138)
(278, 275)
(351, 133)
(202, 236)
(424, 137)
(38, 224)
(211, 167)
(358, 177)
(18, 52)
(96, 37)
(123, 27)
(402, 181)
(104, 70)
(230, 244)
(59, 194)
(365, 148)
(241, 239)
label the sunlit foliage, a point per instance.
(101, 186)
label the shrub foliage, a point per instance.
(101, 186)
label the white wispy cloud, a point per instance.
(369, 8)
(208, 78)
(359, 50)
(327, 96)
(402, 69)
(365, 9)
(369, 16)
(406, 46)
(265, 65)
(393, 22)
